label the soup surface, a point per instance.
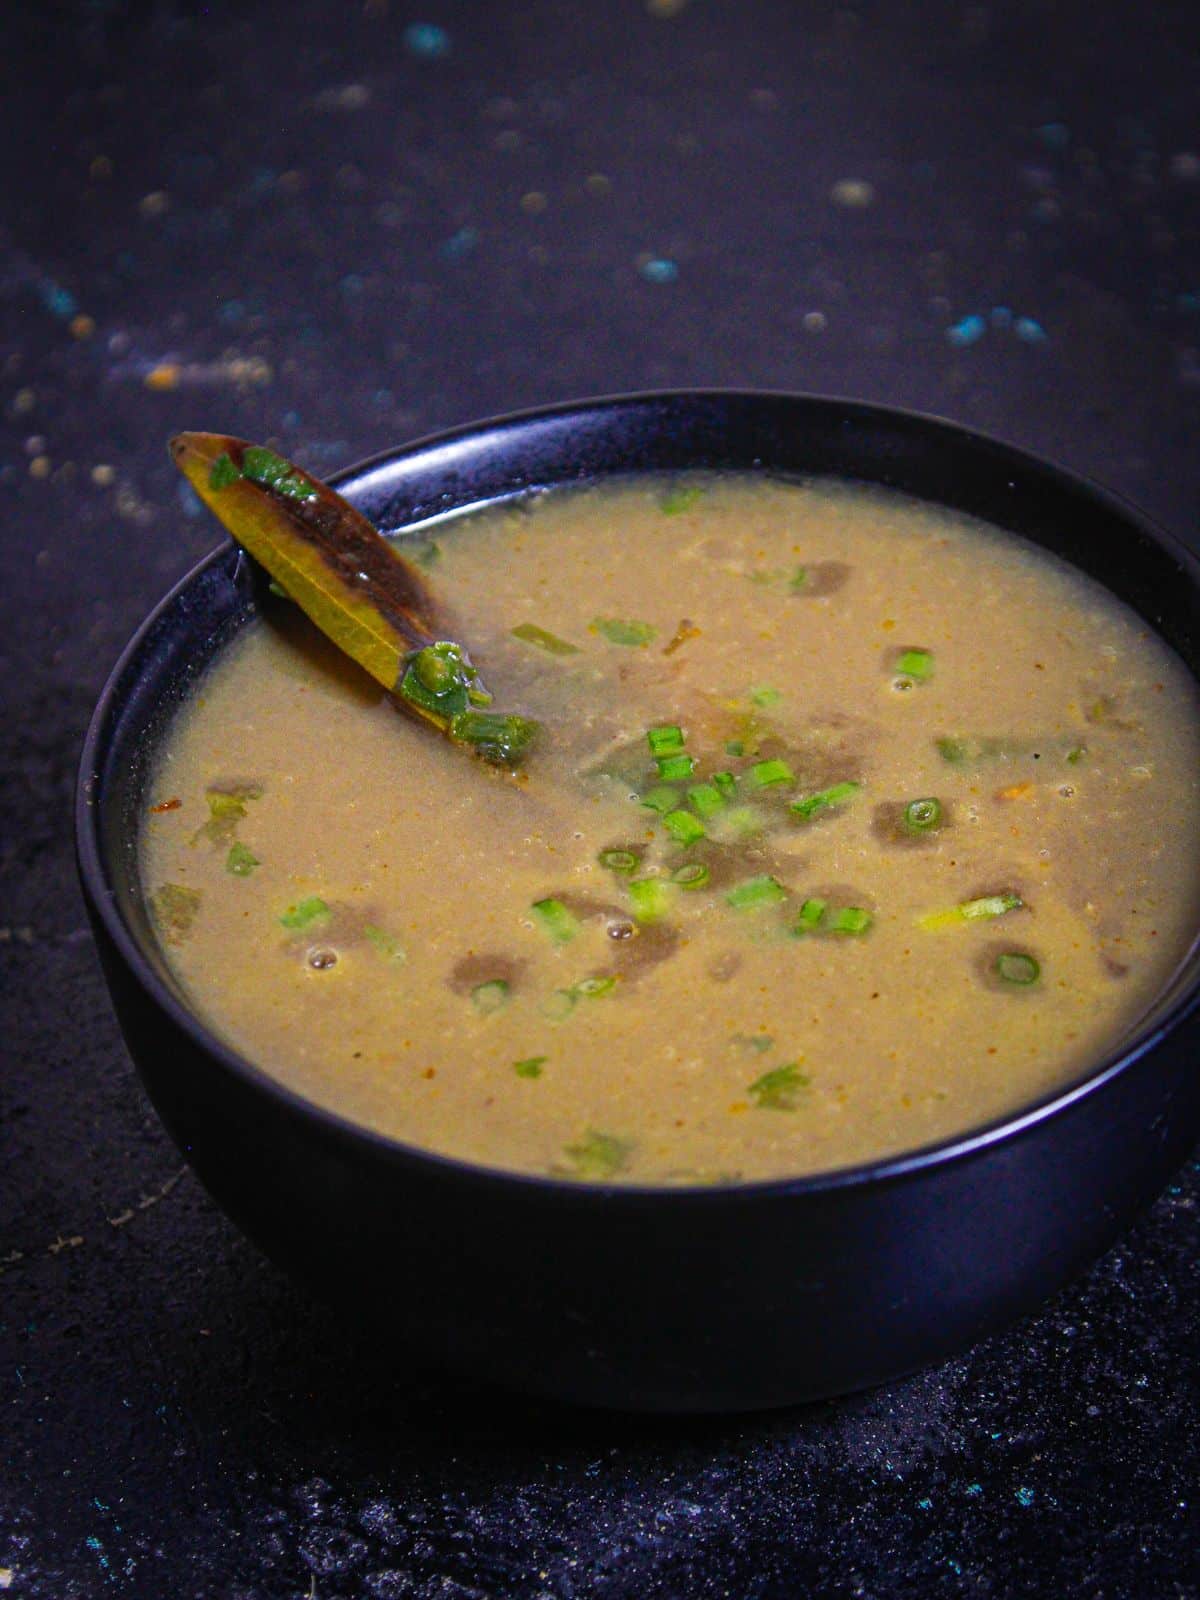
(854, 824)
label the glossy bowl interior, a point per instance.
(630, 1296)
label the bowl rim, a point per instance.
(980, 1138)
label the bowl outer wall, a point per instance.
(684, 1300)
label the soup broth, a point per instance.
(854, 824)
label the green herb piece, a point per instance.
(622, 862)
(757, 1043)
(595, 988)
(915, 664)
(755, 893)
(682, 499)
(763, 774)
(692, 875)
(386, 943)
(226, 808)
(241, 860)
(705, 799)
(990, 905)
(684, 827)
(735, 748)
(436, 680)
(798, 578)
(779, 1089)
(764, 695)
(850, 919)
(531, 1067)
(741, 822)
(651, 899)
(503, 739)
(665, 741)
(1076, 755)
(952, 750)
(479, 697)
(557, 1007)
(823, 800)
(660, 798)
(554, 919)
(490, 996)
(530, 633)
(273, 472)
(425, 552)
(1015, 967)
(725, 783)
(309, 913)
(810, 916)
(923, 816)
(673, 769)
(222, 472)
(626, 631)
(175, 907)
(598, 1155)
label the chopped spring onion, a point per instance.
(673, 769)
(684, 827)
(756, 1043)
(530, 633)
(915, 664)
(756, 892)
(222, 472)
(531, 1067)
(264, 466)
(621, 861)
(491, 996)
(952, 750)
(241, 860)
(765, 773)
(735, 747)
(779, 1089)
(598, 1155)
(661, 798)
(501, 739)
(681, 499)
(557, 1007)
(626, 631)
(725, 783)
(651, 899)
(554, 918)
(922, 816)
(1076, 755)
(764, 695)
(1014, 966)
(692, 875)
(436, 679)
(595, 988)
(823, 799)
(307, 913)
(705, 799)
(665, 741)
(850, 919)
(798, 578)
(988, 905)
(386, 943)
(810, 916)
(741, 821)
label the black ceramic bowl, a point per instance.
(640, 1297)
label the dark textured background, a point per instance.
(307, 222)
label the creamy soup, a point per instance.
(853, 824)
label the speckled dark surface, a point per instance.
(338, 232)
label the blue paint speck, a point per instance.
(59, 302)
(427, 40)
(659, 269)
(1029, 331)
(968, 331)
(1025, 1497)
(459, 245)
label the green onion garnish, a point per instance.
(692, 875)
(620, 630)
(557, 1007)
(264, 466)
(661, 799)
(673, 769)
(531, 1067)
(921, 816)
(725, 783)
(990, 905)
(779, 1089)
(436, 679)
(598, 1155)
(798, 578)
(241, 860)
(764, 695)
(222, 472)
(491, 996)
(1076, 755)
(386, 943)
(305, 913)
(823, 799)
(765, 773)
(683, 826)
(952, 750)
(756, 892)
(850, 919)
(682, 499)
(810, 916)
(741, 821)
(705, 799)
(1014, 966)
(595, 988)
(425, 552)
(530, 633)
(651, 899)
(915, 663)
(554, 919)
(665, 741)
(501, 739)
(620, 861)
(735, 747)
